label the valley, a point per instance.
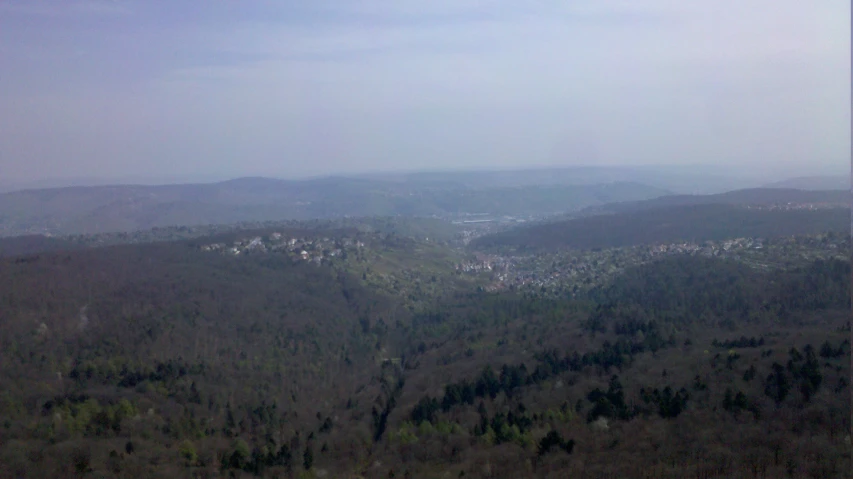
(425, 240)
(401, 347)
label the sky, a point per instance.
(286, 88)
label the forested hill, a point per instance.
(199, 358)
(679, 343)
(684, 290)
(751, 197)
(90, 210)
(693, 223)
(153, 300)
(407, 227)
(831, 182)
(162, 338)
(32, 244)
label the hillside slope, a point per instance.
(140, 344)
(693, 223)
(88, 210)
(750, 197)
(183, 360)
(33, 244)
(840, 182)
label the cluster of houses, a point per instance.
(307, 249)
(797, 206)
(709, 248)
(485, 263)
(588, 268)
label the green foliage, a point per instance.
(561, 415)
(828, 351)
(681, 290)
(670, 224)
(554, 440)
(609, 404)
(669, 404)
(308, 457)
(743, 342)
(806, 369)
(406, 434)
(262, 366)
(734, 402)
(187, 450)
(240, 454)
(777, 384)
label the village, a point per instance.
(796, 206)
(562, 272)
(315, 250)
(579, 270)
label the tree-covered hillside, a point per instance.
(695, 223)
(184, 359)
(123, 348)
(751, 196)
(33, 244)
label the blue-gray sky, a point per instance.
(115, 88)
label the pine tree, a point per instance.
(308, 457)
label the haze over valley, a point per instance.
(447, 239)
(369, 345)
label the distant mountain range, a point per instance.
(677, 179)
(752, 196)
(759, 212)
(693, 223)
(96, 209)
(684, 179)
(531, 192)
(814, 183)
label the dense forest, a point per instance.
(163, 360)
(750, 196)
(669, 224)
(33, 244)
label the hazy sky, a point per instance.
(297, 87)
